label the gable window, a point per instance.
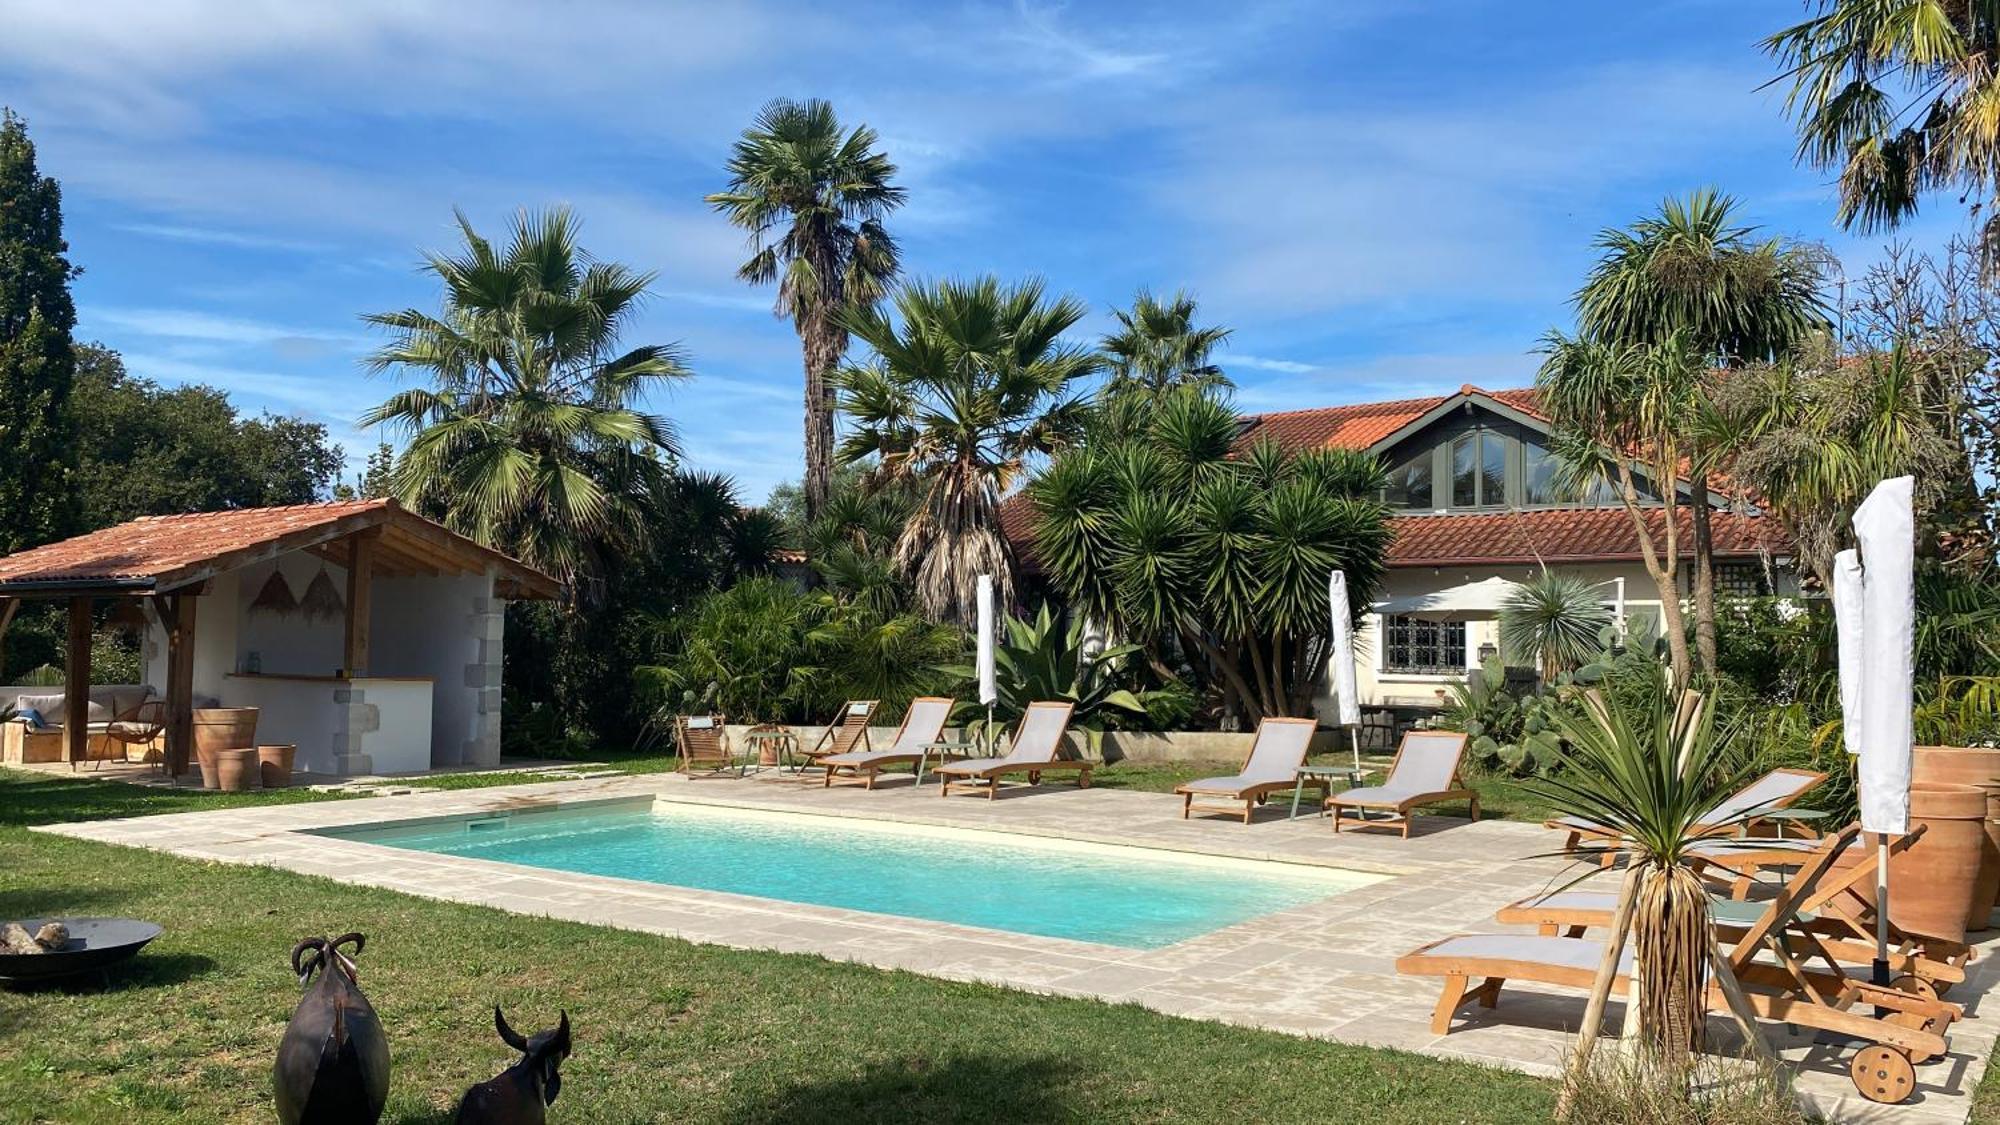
(1541, 475)
(1410, 483)
(1413, 644)
(1478, 470)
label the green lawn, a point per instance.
(665, 1030)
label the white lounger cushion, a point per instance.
(920, 728)
(1559, 952)
(1275, 759)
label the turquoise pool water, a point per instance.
(1134, 897)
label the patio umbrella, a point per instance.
(989, 689)
(1347, 694)
(1875, 603)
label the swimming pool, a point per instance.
(1140, 898)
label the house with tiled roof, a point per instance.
(1477, 503)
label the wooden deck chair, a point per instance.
(1735, 816)
(1271, 766)
(846, 733)
(1840, 913)
(1425, 772)
(702, 742)
(1038, 738)
(1776, 964)
(922, 724)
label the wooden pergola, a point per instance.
(164, 564)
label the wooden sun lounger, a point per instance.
(1425, 772)
(1778, 789)
(1271, 766)
(702, 742)
(843, 735)
(922, 723)
(1786, 986)
(1037, 739)
(1840, 913)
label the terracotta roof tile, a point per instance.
(1361, 425)
(1560, 535)
(172, 548)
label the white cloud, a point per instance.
(191, 324)
(1261, 363)
(214, 237)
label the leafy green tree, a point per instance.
(1692, 271)
(143, 449)
(529, 435)
(1897, 97)
(37, 358)
(1158, 349)
(1174, 541)
(967, 382)
(823, 191)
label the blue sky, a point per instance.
(1383, 200)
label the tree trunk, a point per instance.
(1704, 579)
(1662, 563)
(825, 343)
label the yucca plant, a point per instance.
(1555, 621)
(1651, 773)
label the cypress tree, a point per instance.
(37, 357)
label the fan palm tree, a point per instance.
(813, 197)
(1157, 348)
(1692, 270)
(1898, 97)
(968, 381)
(528, 436)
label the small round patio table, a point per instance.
(786, 742)
(946, 748)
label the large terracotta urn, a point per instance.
(1978, 766)
(275, 764)
(1933, 882)
(225, 728)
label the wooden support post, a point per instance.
(1600, 989)
(178, 617)
(360, 567)
(76, 684)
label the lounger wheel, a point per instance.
(1933, 1022)
(1883, 1074)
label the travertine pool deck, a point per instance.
(1325, 969)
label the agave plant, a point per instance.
(1039, 659)
(1652, 773)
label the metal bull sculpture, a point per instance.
(333, 1063)
(521, 1094)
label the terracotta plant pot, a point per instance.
(204, 757)
(237, 770)
(1970, 765)
(225, 728)
(1933, 882)
(275, 764)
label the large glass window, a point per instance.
(1413, 644)
(1410, 483)
(1478, 470)
(1541, 475)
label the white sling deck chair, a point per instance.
(1734, 816)
(1272, 765)
(1425, 772)
(1038, 737)
(922, 724)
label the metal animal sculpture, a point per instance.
(521, 1094)
(333, 1063)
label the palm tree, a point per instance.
(968, 381)
(527, 437)
(1619, 412)
(823, 192)
(1692, 270)
(1897, 96)
(1157, 348)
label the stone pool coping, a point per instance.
(1324, 969)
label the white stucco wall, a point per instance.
(422, 627)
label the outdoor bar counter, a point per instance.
(341, 724)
